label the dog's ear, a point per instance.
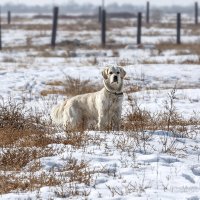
(105, 73)
(122, 72)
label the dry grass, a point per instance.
(71, 87)
(194, 31)
(20, 128)
(80, 25)
(116, 23)
(13, 182)
(166, 25)
(8, 59)
(140, 120)
(74, 86)
(14, 159)
(193, 48)
(192, 28)
(138, 123)
(24, 139)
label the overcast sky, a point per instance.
(97, 2)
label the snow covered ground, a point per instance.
(122, 165)
(128, 173)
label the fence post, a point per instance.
(54, 27)
(9, 17)
(196, 13)
(0, 31)
(147, 12)
(103, 27)
(178, 28)
(100, 13)
(139, 25)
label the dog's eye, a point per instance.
(117, 72)
(110, 73)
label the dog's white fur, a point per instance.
(103, 107)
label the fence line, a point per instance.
(102, 18)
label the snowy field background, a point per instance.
(148, 164)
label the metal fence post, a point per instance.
(139, 25)
(196, 12)
(9, 17)
(178, 28)
(147, 12)
(54, 27)
(103, 27)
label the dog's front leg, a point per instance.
(116, 124)
(116, 120)
(102, 123)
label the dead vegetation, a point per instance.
(13, 182)
(192, 48)
(70, 87)
(140, 120)
(24, 139)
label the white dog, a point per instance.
(104, 107)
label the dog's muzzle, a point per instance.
(115, 79)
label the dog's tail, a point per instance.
(57, 113)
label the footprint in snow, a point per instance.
(193, 198)
(158, 158)
(196, 170)
(188, 177)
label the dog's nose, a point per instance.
(115, 79)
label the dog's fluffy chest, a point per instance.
(109, 101)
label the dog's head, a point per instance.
(113, 78)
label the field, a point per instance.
(155, 155)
